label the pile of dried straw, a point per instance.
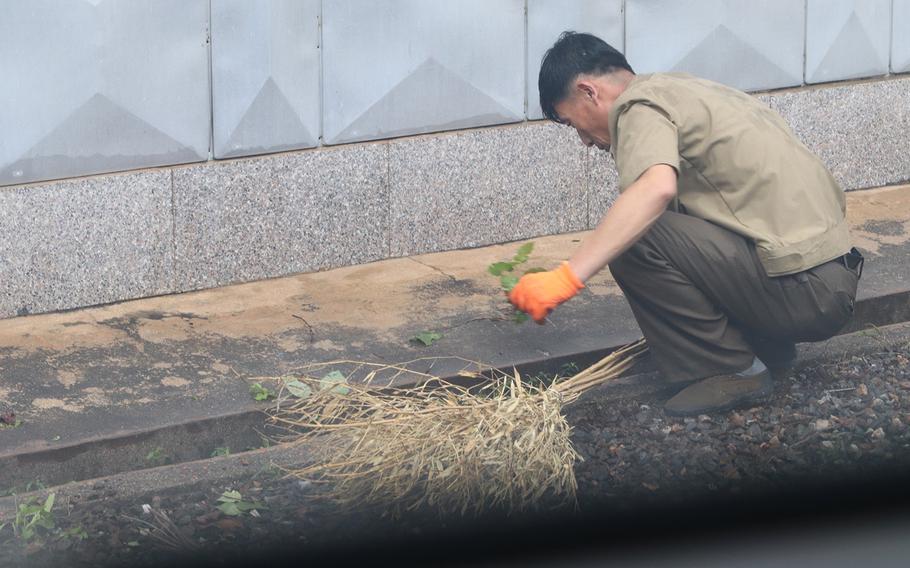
(454, 449)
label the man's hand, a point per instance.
(539, 293)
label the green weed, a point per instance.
(32, 515)
(232, 503)
(507, 279)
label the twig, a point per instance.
(308, 326)
(165, 531)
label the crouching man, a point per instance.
(728, 237)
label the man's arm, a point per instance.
(633, 213)
(630, 217)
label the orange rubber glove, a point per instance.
(538, 293)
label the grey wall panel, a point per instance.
(549, 18)
(102, 85)
(861, 131)
(410, 66)
(492, 185)
(846, 39)
(265, 75)
(900, 37)
(257, 218)
(84, 242)
(742, 43)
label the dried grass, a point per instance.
(453, 449)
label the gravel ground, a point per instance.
(840, 418)
(845, 416)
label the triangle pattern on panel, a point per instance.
(851, 44)
(98, 136)
(420, 103)
(270, 124)
(723, 56)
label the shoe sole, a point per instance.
(761, 395)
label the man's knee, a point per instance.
(625, 263)
(643, 249)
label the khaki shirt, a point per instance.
(739, 166)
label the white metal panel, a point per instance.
(549, 18)
(900, 37)
(408, 66)
(265, 75)
(846, 39)
(102, 85)
(742, 43)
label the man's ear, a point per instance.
(586, 90)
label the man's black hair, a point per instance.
(572, 55)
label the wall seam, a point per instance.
(891, 39)
(805, 42)
(527, 85)
(211, 86)
(622, 8)
(173, 287)
(320, 48)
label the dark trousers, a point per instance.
(702, 298)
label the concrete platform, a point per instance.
(166, 380)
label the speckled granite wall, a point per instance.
(251, 219)
(102, 239)
(485, 186)
(861, 131)
(85, 241)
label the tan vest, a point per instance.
(739, 166)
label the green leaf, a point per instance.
(335, 381)
(230, 509)
(221, 452)
(45, 522)
(49, 502)
(156, 455)
(520, 317)
(535, 269)
(29, 507)
(525, 250)
(230, 496)
(427, 338)
(508, 281)
(497, 268)
(259, 392)
(299, 389)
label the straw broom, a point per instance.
(454, 449)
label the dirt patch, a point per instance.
(48, 403)
(879, 217)
(454, 287)
(174, 382)
(68, 378)
(884, 228)
(94, 396)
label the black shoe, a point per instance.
(779, 356)
(721, 392)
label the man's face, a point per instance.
(585, 110)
